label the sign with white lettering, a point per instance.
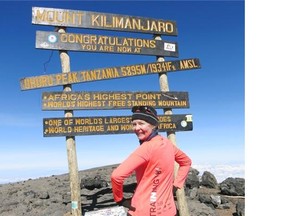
(107, 21)
(104, 44)
(112, 100)
(108, 73)
(109, 125)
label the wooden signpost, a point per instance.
(112, 100)
(71, 126)
(104, 44)
(77, 126)
(106, 21)
(109, 73)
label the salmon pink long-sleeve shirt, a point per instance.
(153, 162)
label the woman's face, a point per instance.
(142, 129)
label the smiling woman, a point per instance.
(153, 162)
(212, 31)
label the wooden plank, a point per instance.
(108, 73)
(71, 145)
(97, 20)
(77, 126)
(105, 44)
(112, 100)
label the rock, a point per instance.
(92, 183)
(240, 208)
(192, 180)
(199, 209)
(52, 196)
(233, 186)
(209, 180)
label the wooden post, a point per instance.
(164, 86)
(70, 144)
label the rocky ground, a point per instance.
(50, 196)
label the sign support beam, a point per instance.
(164, 86)
(70, 143)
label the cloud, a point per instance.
(222, 171)
(19, 172)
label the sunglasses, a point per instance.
(144, 109)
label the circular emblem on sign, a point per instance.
(183, 123)
(52, 38)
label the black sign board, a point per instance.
(107, 21)
(108, 73)
(112, 100)
(104, 44)
(76, 126)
